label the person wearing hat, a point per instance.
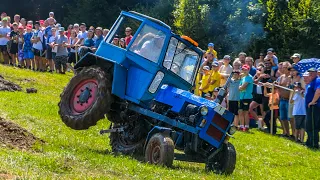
(99, 38)
(296, 58)
(38, 50)
(225, 70)
(4, 32)
(234, 96)
(14, 43)
(212, 51)
(128, 37)
(246, 88)
(205, 81)
(215, 77)
(62, 52)
(272, 57)
(313, 108)
(299, 111)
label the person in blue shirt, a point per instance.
(99, 38)
(312, 102)
(246, 88)
(249, 61)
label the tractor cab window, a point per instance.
(122, 32)
(181, 60)
(149, 43)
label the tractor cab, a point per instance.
(154, 56)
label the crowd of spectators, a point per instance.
(251, 98)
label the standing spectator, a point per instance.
(299, 111)
(225, 70)
(23, 23)
(14, 43)
(99, 39)
(105, 32)
(51, 15)
(249, 62)
(48, 34)
(82, 35)
(62, 53)
(72, 56)
(296, 58)
(260, 60)
(30, 23)
(68, 32)
(272, 57)
(53, 48)
(207, 62)
(246, 87)
(123, 43)
(37, 40)
(212, 51)
(205, 82)
(236, 65)
(3, 15)
(16, 19)
(4, 38)
(128, 35)
(27, 47)
(215, 77)
(242, 57)
(115, 40)
(76, 27)
(234, 97)
(284, 81)
(273, 105)
(313, 108)
(20, 47)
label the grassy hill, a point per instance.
(70, 154)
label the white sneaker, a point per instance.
(259, 124)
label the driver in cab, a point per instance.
(151, 49)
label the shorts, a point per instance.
(234, 107)
(3, 48)
(28, 54)
(37, 52)
(244, 104)
(60, 61)
(283, 109)
(300, 121)
(49, 53)
(14, 48)
(72, 58)
(257, 98)
(290, 110)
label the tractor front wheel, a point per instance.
(160, 150)
(224, 162)
(86, 98)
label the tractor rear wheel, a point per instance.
(160, 150)
(86, 98)
(224, 162)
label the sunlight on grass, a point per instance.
(70, 154)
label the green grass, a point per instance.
(70, 154)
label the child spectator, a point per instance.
(205, 82)
(37, 40)
(234, 96)
(299, 111)
(225, 70)
(53, 48)
(273, 105)
(4, 38)
(246, 87)
(123, 43)
(62, 53)
(20, 47)
(215, 77)
(27, 47)
(14, 43)
(212, 51)
(236, 65)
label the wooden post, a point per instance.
(76, 54)
(271, 119)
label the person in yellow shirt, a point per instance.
(205, 81)
(215, 77)
(212, 51)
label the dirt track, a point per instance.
(8, 86)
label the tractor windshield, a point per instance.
(181, 60)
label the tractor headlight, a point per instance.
(232, 130)
(204, 110)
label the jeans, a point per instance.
(283, 109)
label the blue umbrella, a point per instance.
(305, 64)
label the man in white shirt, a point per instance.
(37, 40)
(82, 35)
(4, 38)
(225, 70)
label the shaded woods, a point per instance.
(234, 26)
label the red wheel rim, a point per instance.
(84, 95)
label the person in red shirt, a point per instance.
(128, 35)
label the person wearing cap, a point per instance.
(242, 57)
(28, 55)
(38, 50)
(272, 57)
(299, 111)
(249, 61)
(205, 81)
(116, 40)
(4, 38)
(234, 96)
(225, 70)
(296, 58)
(14, 43)
(246, 88)
(212, 51)
(260, 60)
(99, 38)
(284, 80)
(313, 108)
(62, 53)
(83, 34)
(128, 37)
(215, 77)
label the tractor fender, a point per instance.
(92, 59)
(155, 130)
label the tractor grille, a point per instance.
(219, 121)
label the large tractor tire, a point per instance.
(160, 150)
(224, 162)
(86, 98)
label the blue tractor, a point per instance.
(144, 90)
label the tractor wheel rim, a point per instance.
(155, 155)
(84, 96)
